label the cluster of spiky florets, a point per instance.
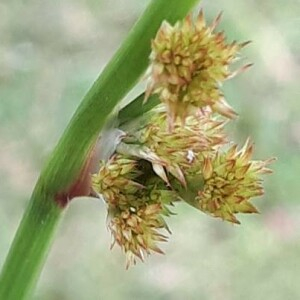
(154, 168)
(162, 159)
(115, 180)
(175, 151)
(136, 230)
(231, 179)
(188, 64)
(136, 205)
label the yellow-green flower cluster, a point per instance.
(162, 159)
(153, 168)
(175, 151)
(136, 230)
(136, 206)
(115, 180)
(189, 62)
(231, 179)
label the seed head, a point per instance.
(175, 151)
(231, 179)
(136, 206)
(115, 180)
(189, 62)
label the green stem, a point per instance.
(33, 239)
(30, 247)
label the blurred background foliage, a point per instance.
(51, 52)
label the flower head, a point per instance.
(115, 180)
(137, 203)
(231, 179)
(175, 151)
(162, 159)
(189, 62)
(135, 230)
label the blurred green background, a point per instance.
(51, 52)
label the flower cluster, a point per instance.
(189, 62)
(153, 168)
(136, 205)
(174, 151)
(162, 159)
(231, 179)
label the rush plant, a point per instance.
(165, 146)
